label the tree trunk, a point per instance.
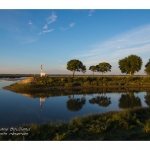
(93, 73)
(131, 73)
(102, 73)
(73, 73)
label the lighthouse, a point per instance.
(42, 73)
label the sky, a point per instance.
(52, 37)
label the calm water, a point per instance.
(17, 109)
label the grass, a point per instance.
(126, 125)
(47, 82)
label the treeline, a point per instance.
(128, 65)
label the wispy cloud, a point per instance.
(51, 18)
(71, 24)
(90, 12)
(45, 27)
(30, 23)
(46, 31)
(136, 42)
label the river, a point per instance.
(17, 109)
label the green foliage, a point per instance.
(69, 84)
(129, 101)
(148, 63)
(93, 69)
(74, 65)
(127, 125)
(75, 104)
(83, 69)
(147, 126)
(130, 64)
(147, 69)
(101, 101)
(103, 67)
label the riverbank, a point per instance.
(126, 125)
(63, 83)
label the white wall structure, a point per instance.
(43, 74)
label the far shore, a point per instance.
(63, 83)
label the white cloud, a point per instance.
(63, 29)
(71, 24)
(136, 42)
(90, 12)
(51, 18)
(46, 31)
(45, 27)
(30, 23)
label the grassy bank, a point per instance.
(46, 83)
(126, 125)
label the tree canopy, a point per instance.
(93, 69)
(74, 65)
(130, 64)
(103, 67)
(83, 69)
(148, 63)
(147, 70)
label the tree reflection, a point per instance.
(75, 104)
(101, 100)
(147, 99)
(129, 101)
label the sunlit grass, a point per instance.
(127, 125)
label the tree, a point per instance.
(101, 101)
(147, 99)
(74, 65)
(75, 104)
(147, 70)
(148, 63)
(83, 69)
(127, 101)
(93, 69)
(103, 67)
(130, 64)
(147, 67)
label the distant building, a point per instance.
(43, 74)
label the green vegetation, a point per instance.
(147, 67)
(147, 70)
(130, 64)
(103, 67)
(148, 63)
(75, 65)
(83, 69)
(45, 83)
(126, 125)
(93, 69)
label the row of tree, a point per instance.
(128, 65)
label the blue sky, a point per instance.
(52, 37)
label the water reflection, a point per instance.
(16, 109)
(147, 98)
(42, 99)
(101, 100)
(129, 100)
(75, 104)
